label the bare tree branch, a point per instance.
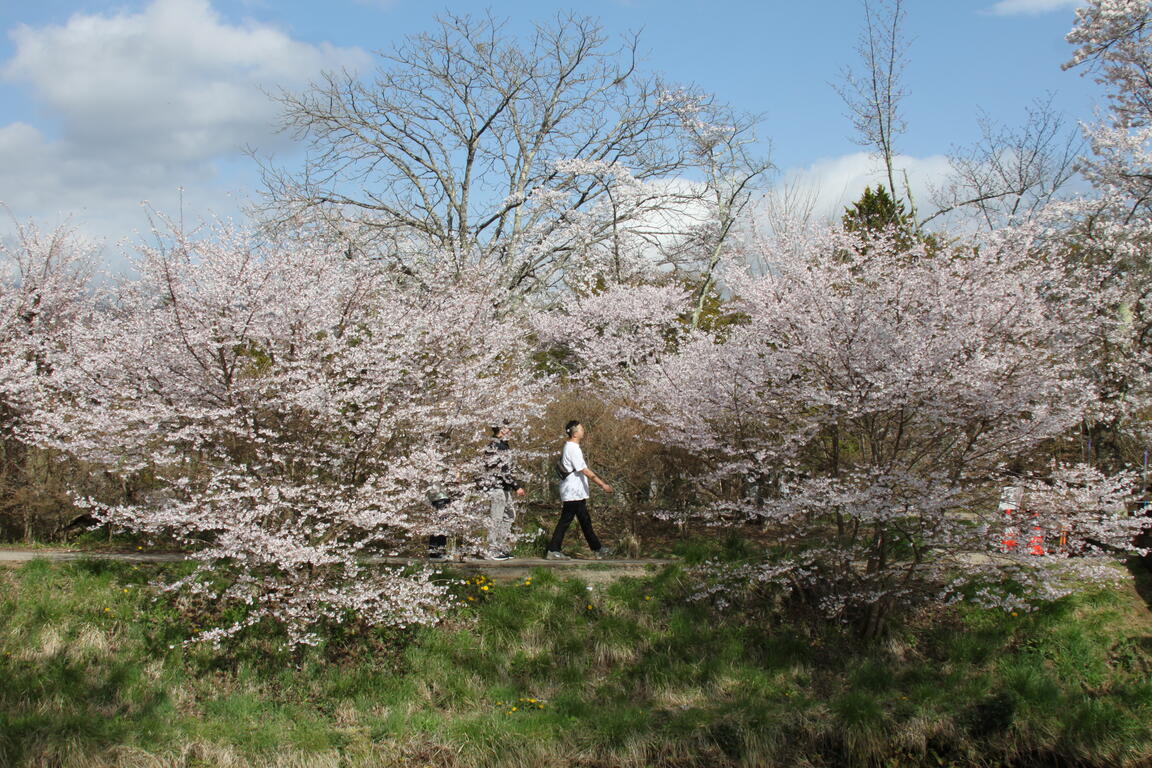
(873, 97)
(1010, 173)
(490, 149)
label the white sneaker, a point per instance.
(500, 556)
(554, 555)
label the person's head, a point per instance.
(501, 430)
(574, 430)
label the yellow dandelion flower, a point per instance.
(589, 607)
(513, 709)
(484, 588)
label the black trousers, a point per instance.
(578, 510)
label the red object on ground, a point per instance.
(1036, 540)
(1008, 543)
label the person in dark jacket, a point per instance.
(500, 483)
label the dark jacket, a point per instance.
(500, 471)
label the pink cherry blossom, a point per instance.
(866, 408)
(284, 411)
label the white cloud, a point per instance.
(1031, 7)
(140, 104)
(824, 189)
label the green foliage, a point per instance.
(876, 211)
(716, 312)
(732, 549)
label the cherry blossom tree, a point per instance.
(723, 145)
(45, 289)
(292, 408)
(867, 410)
(1113, 40)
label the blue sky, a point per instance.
(106, 104)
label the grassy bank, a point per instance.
(548, 672)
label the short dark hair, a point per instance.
(571, 426)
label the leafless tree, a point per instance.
(1011, 172)
(873, 95)
(512, 156)
(789, 205)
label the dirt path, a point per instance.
(498, 570)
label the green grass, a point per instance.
(547, 672)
